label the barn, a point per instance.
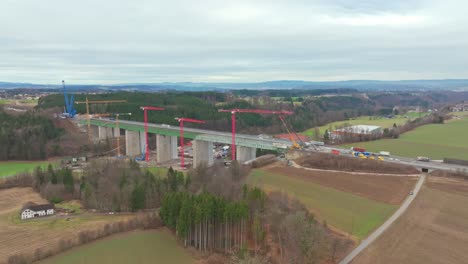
(32, 210)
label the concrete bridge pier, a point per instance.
(94, 132)
(202, 152)
(132, 143)
(116, 132)
(166, 148)
(245, 153)
(143, 141)
(104, 132)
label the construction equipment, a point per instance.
(233, 122)
(182, 148)
(294, 143)
(69, 110)
(118, 129)
(87, 102)
(145, 109)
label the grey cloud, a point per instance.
(149, 41)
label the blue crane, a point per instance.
(70, 111)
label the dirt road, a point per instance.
(366, 242)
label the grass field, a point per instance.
(351, 213)
(433, 230)
(365, 120)
(436, 141)
(9, 168)
(12, 101)
(157, 171)
(135, 247)
(24, 237)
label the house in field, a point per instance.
(32, 210)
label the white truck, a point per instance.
(384, 153)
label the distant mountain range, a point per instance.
(449, 84)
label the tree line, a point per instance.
(209, 222)
(312, 111)
(26, 136)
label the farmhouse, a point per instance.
(32, 210)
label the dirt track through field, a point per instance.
(433, 230)
(387, 189)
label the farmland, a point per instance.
(364, 120)
(347, 207)
(433, 230)
(135, 247)
(19, 237)
(10, 168)
(436, 141)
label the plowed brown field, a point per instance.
(433, 230)
(387, 189)
(18, 236)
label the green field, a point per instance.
(157, 171)
(365, 120)
(436, 141)
(136, 247)
(9, 168)
(348, 212)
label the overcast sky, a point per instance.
(141, 41)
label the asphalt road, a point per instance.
(379, 231)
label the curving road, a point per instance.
(366, 242)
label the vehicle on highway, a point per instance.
(425, 159)
(381, 158)
(384, 153)
(358, 149)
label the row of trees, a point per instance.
(209, 222)
(109, 185)
(26, 136)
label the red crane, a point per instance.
(182, 148)
(145, 109)
(255, 111)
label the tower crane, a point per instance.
(87, 102)
(145, 109)
(233, 121)
(117, 115)
(182, 147)
(69, 110)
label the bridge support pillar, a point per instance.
(94, 132)
(245, 153)
(143, 141)
(104, 132)
(166, 148)
(132, 143)
(202, 153)
(116, 132)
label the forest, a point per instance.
(26, 136)
(310, 112)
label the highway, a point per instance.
(254, 141)
(379, 231)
